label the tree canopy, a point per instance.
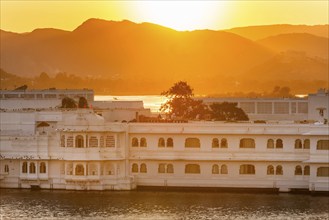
(227, 111)
(181, 104)
(83, 103)
(68, 103)
(179, 90)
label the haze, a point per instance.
(25, 16)
(142, 47)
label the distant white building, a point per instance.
(314, 107)
(85, 149)
(52, 98)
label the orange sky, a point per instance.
(24, 16)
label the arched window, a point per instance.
(79, 141)
(215, 169)
(298, 144)
(279, 144)
(322, 172)
(192, 168)
(307, 144)
(161, 142)
(143, 168)
(247, 143)
(307, 170)
(298, 170)
(322, 145)
(109, 141)
(143, 142)
(223, 143)
(32, 168)
(6, 169)
(134, 142)
(223, 169)
(62, 140)
(215, 143)
(79, 170)
(162, 168)
(192, 143)
(43, 167)
(279, 170)
(270, 143)
(170, 168)
(270, 170)
(247, 169)
(134, 168)
(24, 167)
(170, 142)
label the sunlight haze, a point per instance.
(25, 16)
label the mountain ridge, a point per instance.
(144, 56)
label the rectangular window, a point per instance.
(264, 107)
(69, 141)
(93, 141)
(109, 141)
(28, 96)
(248, 107)
(281, 107)
(11, 96)
(50, 96)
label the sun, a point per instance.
(182, 15)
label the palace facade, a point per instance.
(79, 150)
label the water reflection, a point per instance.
(159, 205)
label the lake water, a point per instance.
(60, 204)
(152, 102)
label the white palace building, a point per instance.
(50, 148)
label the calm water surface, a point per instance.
(153, 102)
(27, 204)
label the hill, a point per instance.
(264, 31)
(129, 58)
(309, 44)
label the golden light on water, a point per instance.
(301, 96)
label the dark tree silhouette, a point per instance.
(83, 103)
(24, 87)
(181, 104)
(227, 111)
(68, 103)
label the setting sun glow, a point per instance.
(23, 16)
(182, 15)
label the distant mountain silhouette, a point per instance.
(144, 58)
(264, 31)
(290, 66)
(302, 42)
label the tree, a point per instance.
(181, 103)
(227, 111)
(68, 103)
(281, 92)
(83, 103)
(24, 87)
